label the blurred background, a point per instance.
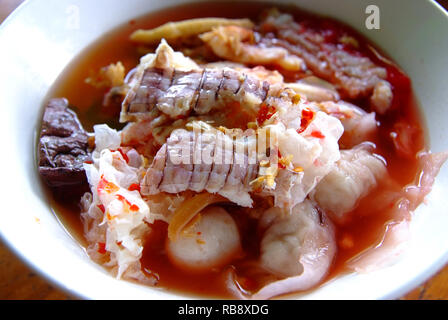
(18, 281)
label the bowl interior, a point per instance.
(42, 37)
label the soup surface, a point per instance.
(393, 146)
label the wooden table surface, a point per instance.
(17, 281)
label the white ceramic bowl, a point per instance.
(41, 37)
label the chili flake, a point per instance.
(132, 207)
(317, 134)
(101, 248)
(106, 186)
(307, 117)
(134, 187)
(101, 207)
(265, 113)
(124, 155)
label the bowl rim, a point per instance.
(424, 274)
(7, 242)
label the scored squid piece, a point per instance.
(238, 171)
(353, 73)
(209, 161)
(353, 176)
(177, 93)
(311, 87)
(298, 248)
(169, 83)
(154, 175)
(210, 242)
(203, 153)
(314, 89)
(222, 156)
(312, 153)
(241, 164)
(178, 169)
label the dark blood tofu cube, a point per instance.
(63, 146)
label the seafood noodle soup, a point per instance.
(224, 153)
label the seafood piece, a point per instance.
(308, 148)
(203, 153)
(299, 248)
(223, 64)
(393, 240)
(221, 163)
(178, 168)
(114, 79)
(163, 58)
(160, 87)
(147, 136)
(235, 163)
(139, 135)
(273, 77)
(354, 75)
(381, 99)
(112, 75)
(358, 125)
(354, 175)
(174, 30)
(63, 146)
(154, 175)
(211, 240)
(176, 93)
(238, 44)
(259, 72)
(314, 89)
(203, 161)
(406, 138)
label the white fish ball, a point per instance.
(211, 242)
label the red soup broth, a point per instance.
(353, 237)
